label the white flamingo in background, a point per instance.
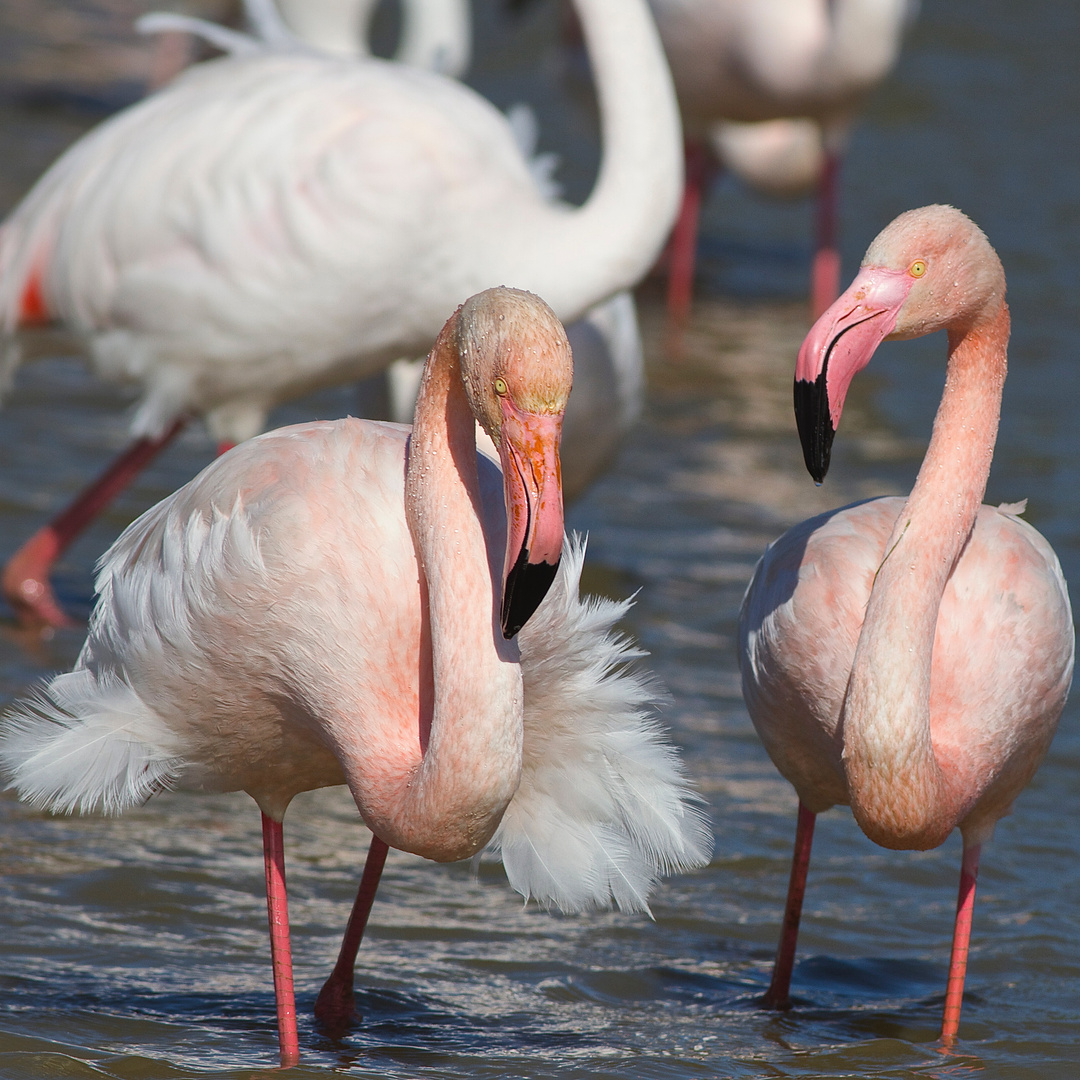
(436, 35)
(802, 66)
(909, 657)
(273, 222)
(340, 602)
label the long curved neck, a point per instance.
(610, 242)
(470, 711)
(901, 794)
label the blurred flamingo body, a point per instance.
(909, 657)
(436, 35)
(273, 222)
(340, 603)
(771, 87)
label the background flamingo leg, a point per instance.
(682, 249)
(334, 1007)
(277, 909)
(778, 994)
(25, 578)
(825, 272)
(965, 907)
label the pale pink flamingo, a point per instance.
(338, 603)
(909, 657)
(276, 221)
(792, 74)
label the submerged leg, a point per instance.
(778, 994)
(277, 909)
(965, 906)
(825, 273)
(334, 1008)
(25, 579)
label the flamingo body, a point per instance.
(1002, 655)
(755, 60)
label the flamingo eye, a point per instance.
(500, 386)
(917, 268)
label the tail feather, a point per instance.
(83, 743)
(603, 809)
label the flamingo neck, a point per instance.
(470, 724)
(610, 241)
(901, 794)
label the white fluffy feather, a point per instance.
(86, 742)
(603, 808)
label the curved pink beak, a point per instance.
(839, 344)
(532, 483)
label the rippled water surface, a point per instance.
(136, 947)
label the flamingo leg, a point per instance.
(277, 909)
(965, 907)
(682, 253)
(778, 995)
(25, 578)
(334, 1008)
(825, 273)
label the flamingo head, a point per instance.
(517, 370)
(930, 269)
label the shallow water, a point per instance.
(136, 947)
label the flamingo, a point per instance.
(340, 602)
(436, 35)
(609, 358)
(774, 86)
(909, 657)
(280, 220)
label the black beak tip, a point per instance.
(814, 421)
(526, 586)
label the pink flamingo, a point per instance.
(791, 75)
(909, 657)
(279, 220)
(341, 603)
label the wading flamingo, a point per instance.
(909, 657)
(340, 603)
(781, 61)
(273, 222)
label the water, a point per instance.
(136, 947)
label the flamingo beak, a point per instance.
(532, 481)
(839, 344)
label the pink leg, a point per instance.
(25, 578)
(334, 1008)
(682, 250)
(965, 907)
(825, 274)
(277, 909)
(778, 994)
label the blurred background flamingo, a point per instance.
(770, 89)
(277, 221)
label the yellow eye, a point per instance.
(500, 387)
(917, 268)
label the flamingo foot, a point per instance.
(25, 583)
(25, 579)
(335, 1008)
